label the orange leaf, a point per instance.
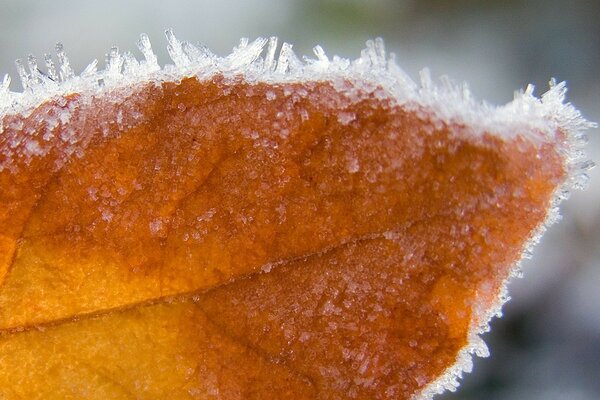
(242, 227)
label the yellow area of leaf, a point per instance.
(160, 351)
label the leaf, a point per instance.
(220, 236)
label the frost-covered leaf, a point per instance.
(252, 227)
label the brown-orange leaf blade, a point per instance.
(247, 227)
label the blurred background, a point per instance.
(547, 345)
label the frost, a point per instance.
(207, 216)
(373, 72)
(267, 267)
(33, 147)
(107, 216)
(346, 117)
(270, 95)
(156, 226)
(353, 165)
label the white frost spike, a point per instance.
(51, 68)
(375, 53)
(320, 53)
(282, 62)
(114, 62)
(529, 90)
(130, 65)
(23, 74)
(322, 61)
(36, 75)
(204, 52)
(586, 165)
(243, 44)
(191, 51)
(90, 70)
(426, 81)
(403, 82)
(466, 93)
(5, 96)
(175, 50)
(65, 70)
(146, 48)
(288, 61)
(447, 84)
(245, 54)
(5, 85)
(479, 347)
(270, 62)
(580, 181)
(200, 56)
(380, 50)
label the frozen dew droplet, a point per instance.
(353, 165)
(345, 117)
(270, 95)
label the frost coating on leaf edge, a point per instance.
(543, 119)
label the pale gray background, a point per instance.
(548, 344)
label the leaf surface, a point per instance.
(219, 238)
